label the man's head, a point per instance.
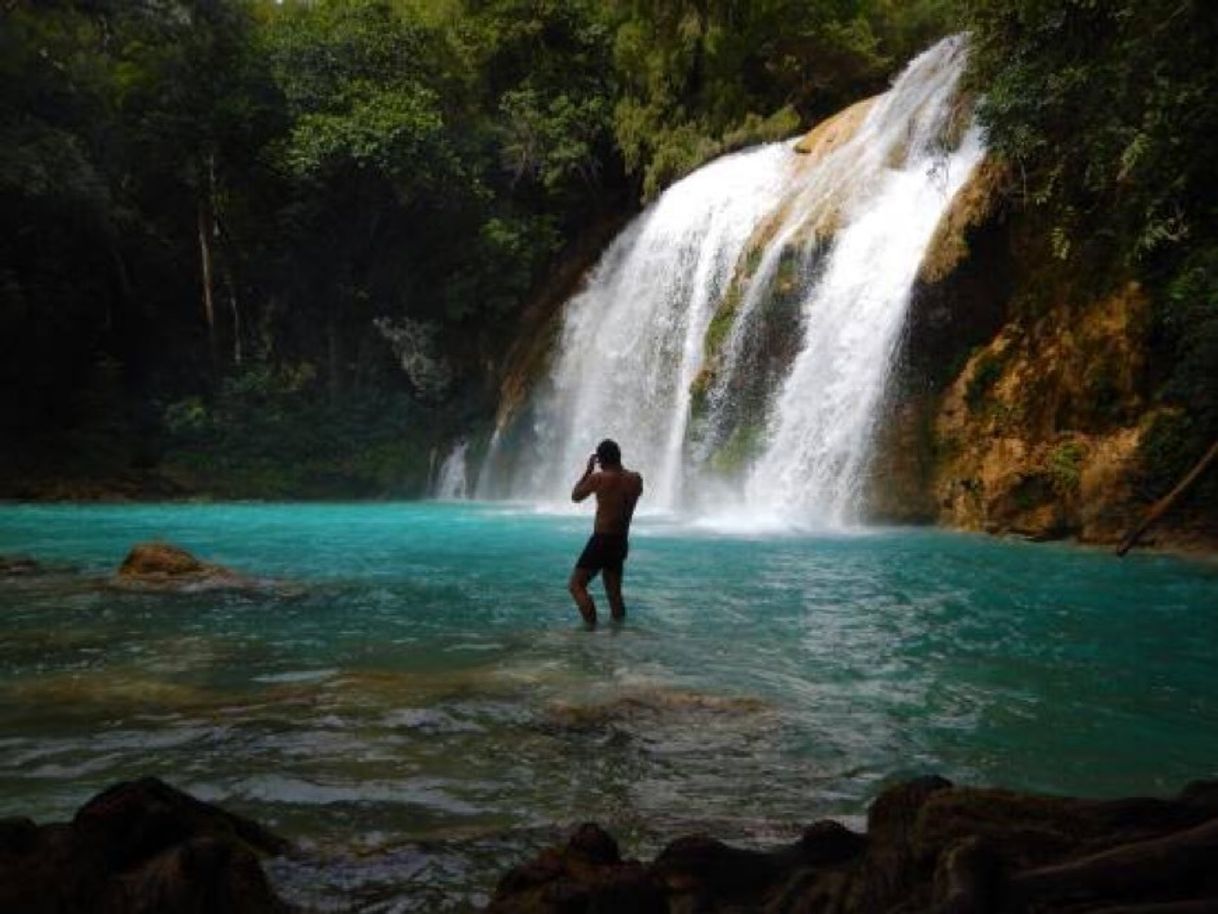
(609, 454)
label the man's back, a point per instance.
(617, 492)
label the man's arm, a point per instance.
(587, 483)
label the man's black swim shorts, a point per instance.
(605, 551)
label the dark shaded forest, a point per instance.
(258, 249)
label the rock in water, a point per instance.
(136, 818)
(163, 565)
(139, 847)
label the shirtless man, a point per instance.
(617, 491)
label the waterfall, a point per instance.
(738, 336)
(632, 341)
(451, 483)
(900, 183)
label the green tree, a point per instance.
(195, 106)
(700, 77)
(228, 224)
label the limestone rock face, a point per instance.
(1023, 392)
(141, 846)
(833, 131)
(960, 301)
(1039, 433)
(977, 203)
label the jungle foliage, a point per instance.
(214, 207)
(229, 226)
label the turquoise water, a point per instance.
(410, 697)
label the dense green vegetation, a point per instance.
(699, 78)
(1109, 112)
(279, 247)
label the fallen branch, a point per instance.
(1164, 504)
(1171, 861)
(1197, 906)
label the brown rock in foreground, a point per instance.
(163, 565)
(930, 847)
(586, 875)
(139, 847)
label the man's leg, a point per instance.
(613, 590)
(578, 585)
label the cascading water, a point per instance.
(632, 341)
(821, 422)
(740, 333)
(452, 481)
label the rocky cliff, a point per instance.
(1024, 402)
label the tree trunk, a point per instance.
(207, 228)
(334, 356)
(232, 304)
(224, 247)
(1164, 504)
(230, 285)
(209, 312)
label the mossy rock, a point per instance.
(741, 447)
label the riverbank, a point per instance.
(204, 479)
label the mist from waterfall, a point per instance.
(774, 430)
(452, 482)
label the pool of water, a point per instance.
(411, 698)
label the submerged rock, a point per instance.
(650, 704)
(141, 846)
(930, 847)
(159, 565)
(12, 566)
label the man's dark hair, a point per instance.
(609, 454)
